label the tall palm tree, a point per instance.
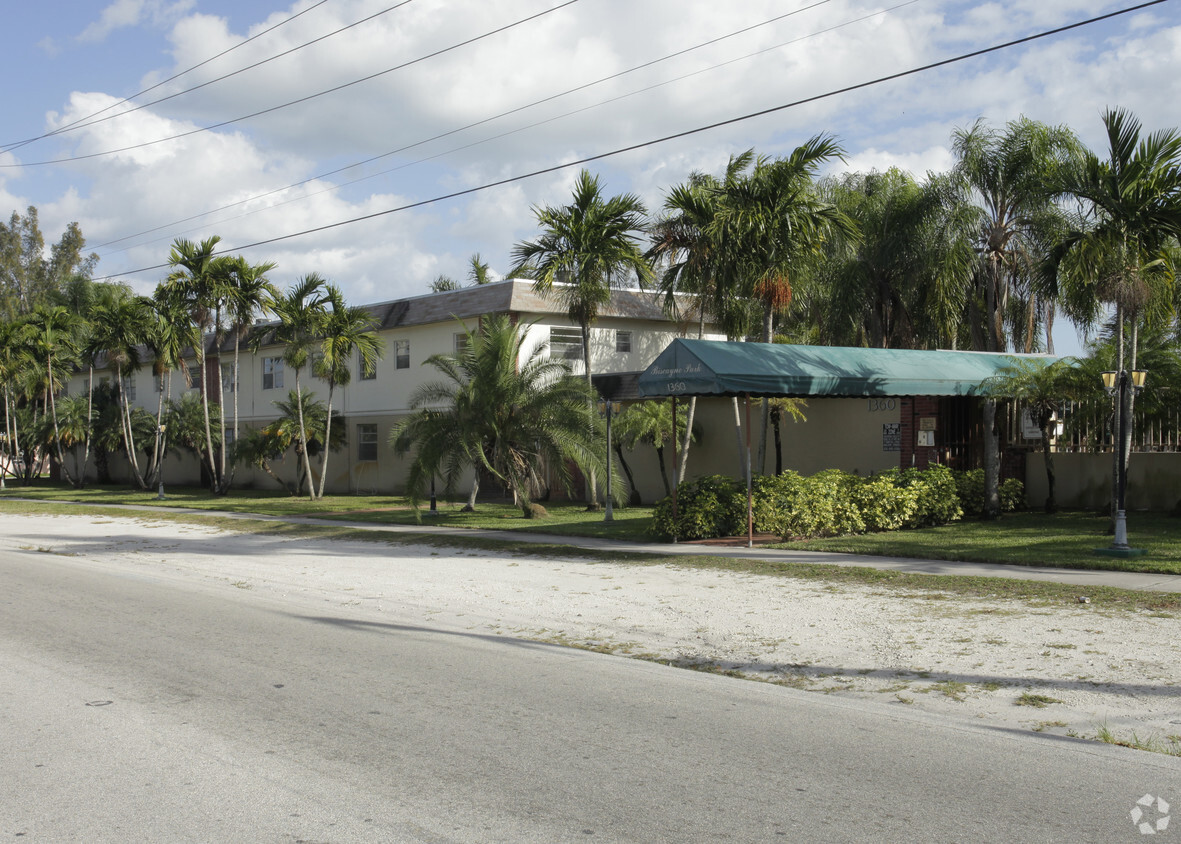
(498, 411)
(301, 312)
(347, 331)
(119, 328)
(586, 249)
(1012, 178)
(771, 222)
(682, 246)
(15, 358)
(248, 294)
(1119, 257)
(52, 332)
(198, 278)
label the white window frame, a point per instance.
(401, 354)
(565, 342)
(228, 381)
(623, 341)
(367, 442)
(275, 375)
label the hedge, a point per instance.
(828, 503)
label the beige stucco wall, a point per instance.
(1084, 480)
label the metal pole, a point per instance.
(434, 505)
(674, 472)
(750, 519)
(1121, 517)
(609, 516)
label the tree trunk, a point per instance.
(213, 487)
(470, 507)
(1051, 498)
(57, 440)
(327, 439)
(683, 460)
(633, 499)
(663, 474)
(592, 500)
(992, 497)
(303, 441)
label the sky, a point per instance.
(307, 128)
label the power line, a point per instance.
(516, 110)
(79, 124)
(678, 135)
(174, 77)
(290, 103)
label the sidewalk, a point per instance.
(1082, 578)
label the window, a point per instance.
(272, 373)
(565, 343)
(128, 389)
(228, 381)
(194, 377)
(623, 341)
(460, 343)
(401, 354)
(366, 442)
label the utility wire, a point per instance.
(290, 103)
(78, 124)
(512, 111)
(678, 135)
(69, 126)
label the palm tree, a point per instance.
(771, 222)
(902, 284)
(119, 328)
(1119, 257)
(651, 423)
(248, 294)
(1012, 179)
(198, 278)
(347, 330)
(16, 356)
(497, 411)
(52, 332)
(301, 313)
(586, 249)
(682, 246)
(478, 272)
(1040, 386)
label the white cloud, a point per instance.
(128, 13)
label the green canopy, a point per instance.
(718, 368)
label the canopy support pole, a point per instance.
(750, 520)
(675, 484)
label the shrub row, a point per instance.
(828, 503)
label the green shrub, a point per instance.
(707, 507)
(970, 485)
(938, 499)
(884, 504)
(825, 506)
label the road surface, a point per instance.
(143, 708)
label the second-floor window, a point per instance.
(401, 354)
(366, 372)
(565, 343)
(272, 373)
(128, 389)
(623, 341)
(228, 381)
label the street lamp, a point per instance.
(608, 409)
(1117, 383)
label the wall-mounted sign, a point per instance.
(892, 436)
(926, 423)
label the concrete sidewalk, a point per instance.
(1082, 578)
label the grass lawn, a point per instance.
(1064, 540)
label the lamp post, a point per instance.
(1117, 384)
(160, 465)
(608, 409)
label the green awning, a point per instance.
(717, 368)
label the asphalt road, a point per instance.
(141, 709)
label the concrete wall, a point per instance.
(1084, 480)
